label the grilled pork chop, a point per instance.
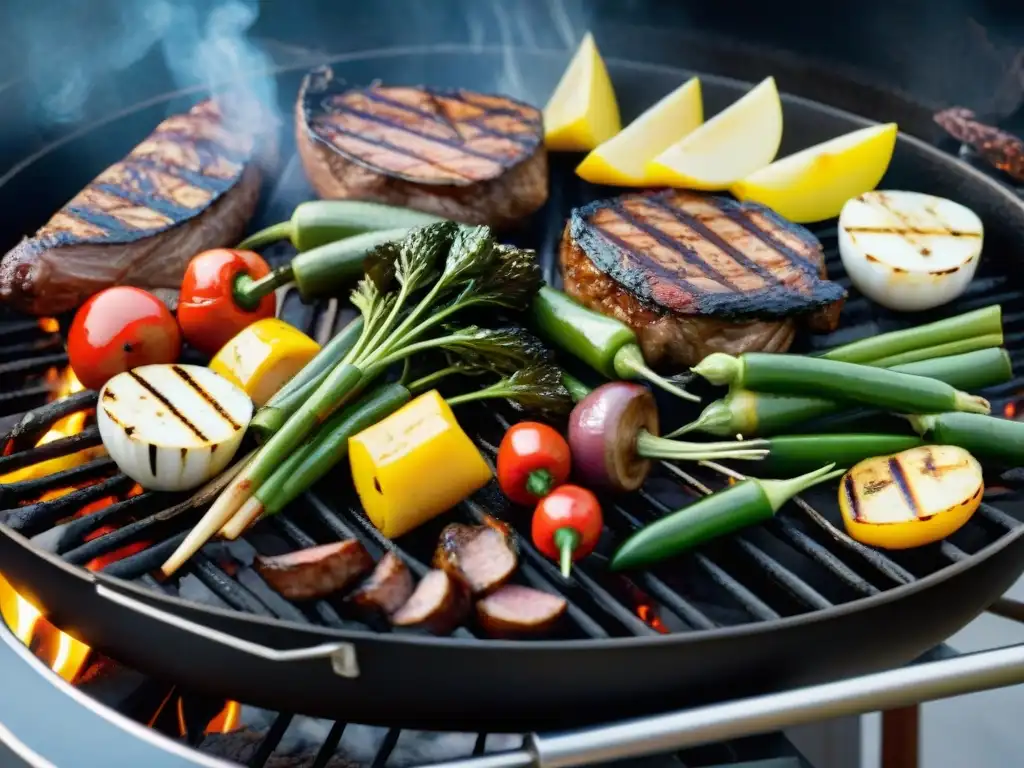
(471, 157)
(189, 186)
(695, 274)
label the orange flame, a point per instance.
(225, 721)
(67, 656)
(649, 616)
(1010, 410)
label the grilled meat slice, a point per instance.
(515, 610)
(388, 588)
(317, 571)
(192, 184)
(481, 554)
(695, 274)
(439, 604)
(471, 157)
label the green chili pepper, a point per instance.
(605, 344)
(742, 412)
(747, 503)
(810, 376)
(319, 222)
(327, 270)
(988, 438)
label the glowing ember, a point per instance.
(49, 324)
(1010, 411)
(649, 616)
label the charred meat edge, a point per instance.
(481, 554)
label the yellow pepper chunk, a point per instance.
(414, 465)
(261, 358)
(912, 498)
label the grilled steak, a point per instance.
(316, 571)
(388, 588)
(191, 185)
(514, 610)
(439, 604)
(695, 274)
(480, 554)
(471, 157)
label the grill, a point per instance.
(758, 611)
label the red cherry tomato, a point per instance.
(119, 329)
(209, 310)
(567, 525)
(533, 459)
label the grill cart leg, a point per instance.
(901, 729)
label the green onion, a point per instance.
(982, 322)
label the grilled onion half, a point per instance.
(172, 427)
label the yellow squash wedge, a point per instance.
(582, 111)
(912, 498)
(814, 184)
(733, 144)
(622, 160)
(262, 357)
(414, 465)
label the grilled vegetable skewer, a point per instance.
(796, 375)
(743, 412)
(603, 343)
(747, 503)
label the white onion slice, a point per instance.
(909, 251)
(172, 427)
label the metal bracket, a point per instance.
(342, 655)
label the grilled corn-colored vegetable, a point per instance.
(911, 498)
(414, 465)
(261, 358)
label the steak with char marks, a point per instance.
(694, 274)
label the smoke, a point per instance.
(74, 48)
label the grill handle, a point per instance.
(341, 655)
(967, 673)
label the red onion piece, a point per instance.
(603, 429)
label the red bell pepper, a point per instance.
(221, 294)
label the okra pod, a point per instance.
(811, 376)
(790, 454)
(989, 438)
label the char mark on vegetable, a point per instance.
(696, 254)
(850, 490)
(212, 401)
(174, 175)
(420, 134)
(170, 406)
(900, 478)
